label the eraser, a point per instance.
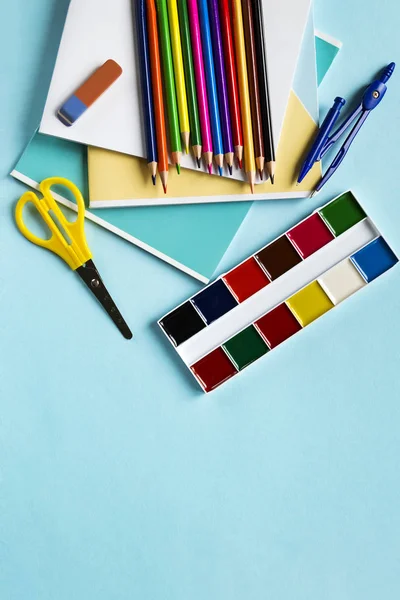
(89, 92)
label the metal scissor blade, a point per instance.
(90, 276)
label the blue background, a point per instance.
(118, 478)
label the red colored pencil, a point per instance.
(231, 78)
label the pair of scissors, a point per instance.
(68, 240)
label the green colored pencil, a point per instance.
(169, 83)
(195, 134)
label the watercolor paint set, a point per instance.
(278, 291)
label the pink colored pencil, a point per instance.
(200, 83)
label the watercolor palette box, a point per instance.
(278, 291)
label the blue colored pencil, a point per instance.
(212, 93)
(221, 83)
(147, 93)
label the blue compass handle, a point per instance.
(388, 72)
(377, 89)
(337, 134)
(322, 138)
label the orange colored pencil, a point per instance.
(158, 98)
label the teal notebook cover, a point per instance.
(191, 237)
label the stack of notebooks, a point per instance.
(103, 153)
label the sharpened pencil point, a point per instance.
(272, 179)
(220, 171)
(153, 178)
(164, 179)
(230, 169)
(260, 174)
(178, 168)
(185, 140)
(210, 169)
(251, 176)
(314, 193)
(240, 163)
(198, 163)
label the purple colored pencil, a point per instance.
(200, 77)
(225, 117)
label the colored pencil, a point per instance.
(212, 93)
(169, 82)
(179, 72)
(221, 83)
(207, 147)
(248, 26)
(194, 121)
(162, 149)
(147, 93)
(240, 51)
(269, 147)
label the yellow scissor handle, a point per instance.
(75, 253)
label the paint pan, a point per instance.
(280, 290)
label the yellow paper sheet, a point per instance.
(121, 180)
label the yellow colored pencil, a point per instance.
(177, 57)
(244, 95)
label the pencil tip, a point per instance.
(314, 193)
(187, 150)
(252, 187)
(272, 179)
(198, 163)
(260, 174)
(230, 169)
(240, 163)
(210, 169)
(165, 188)
(178, 168)
(153, 178)
(220, 171)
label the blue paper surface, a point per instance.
(119, 479)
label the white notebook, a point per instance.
(96, 30)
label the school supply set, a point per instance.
(287, 284)
(206, 37)
(212, 112)
(110, 179)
